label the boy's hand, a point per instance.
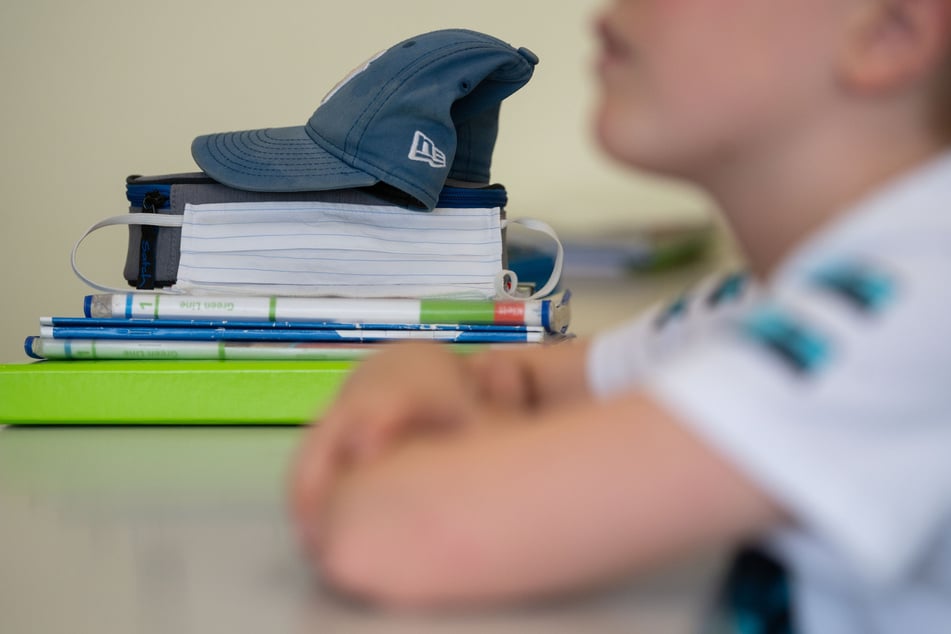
(407, 389)
(417, 388)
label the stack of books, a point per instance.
(152, 358)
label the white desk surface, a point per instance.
(181, 530)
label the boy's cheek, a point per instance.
(626, 129)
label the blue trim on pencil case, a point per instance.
(461, 197)
(136, 193)
(449, 197)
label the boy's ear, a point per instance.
(890, 43)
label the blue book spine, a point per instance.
(267, 334)
(93, 322)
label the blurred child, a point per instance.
(802, 412)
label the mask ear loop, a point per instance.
(506, 282)
(160, 220)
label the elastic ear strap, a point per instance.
(149, 220)
(507, 281)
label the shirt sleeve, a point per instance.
(837, 404)
(618, 359)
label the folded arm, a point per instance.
(497, 513)
(419, 389)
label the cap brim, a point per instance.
(274, 159)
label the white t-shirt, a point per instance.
(830, 386)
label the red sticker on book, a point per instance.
(510, 313)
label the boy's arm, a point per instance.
(420, 389)
(532, 376)
(507, 512)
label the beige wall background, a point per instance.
(93, 91)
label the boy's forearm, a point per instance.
(559, 371)
(534, 376)
(508, 512)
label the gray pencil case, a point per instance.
(153, 253)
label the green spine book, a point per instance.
(168, 392)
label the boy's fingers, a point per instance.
(304, 474)
(379, 427)
(347, 435)
(368, 416)
(314, 468)
(349, 432)
(501, 380)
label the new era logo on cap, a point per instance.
(423, 149)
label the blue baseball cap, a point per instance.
(419, 113)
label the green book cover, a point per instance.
(168, 392)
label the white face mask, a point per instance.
(335, 249)
(319, 248)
